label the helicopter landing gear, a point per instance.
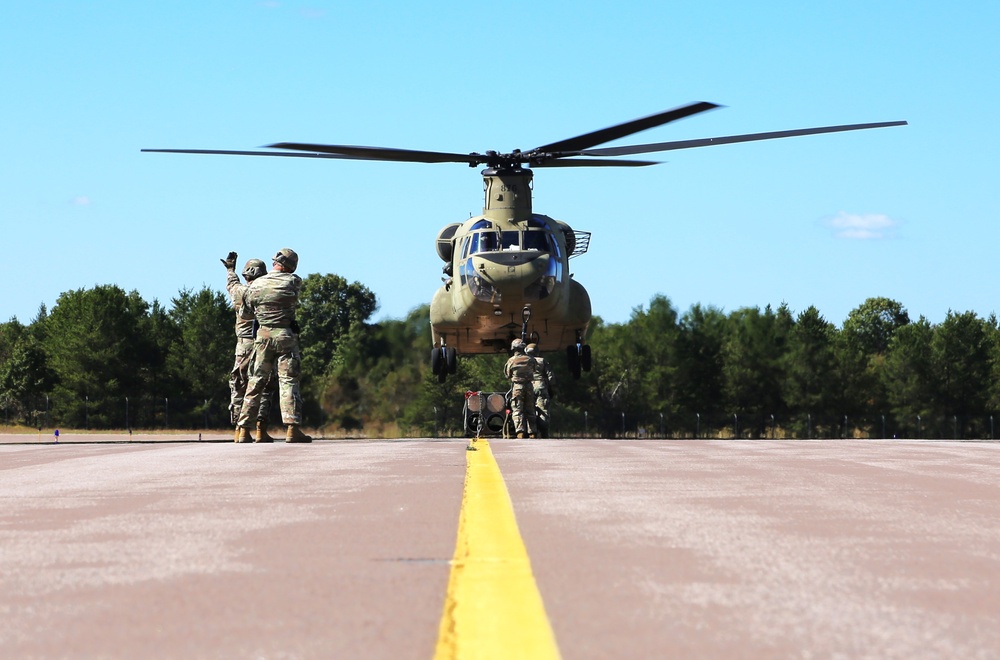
(444, 361)
(578, 358)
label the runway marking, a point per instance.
(493, 608)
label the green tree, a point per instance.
(634, 369)
(752, 363)
(699, 372)
(810, 384)
(25, 376)
(908, 376)
(200, 356)
(861, 352)
(328, 308)
(960, 357)
(97, 350)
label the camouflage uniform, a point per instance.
(242, 365)
(273, 299)
(542, 386)
(520, 370)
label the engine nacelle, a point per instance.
(444, 242)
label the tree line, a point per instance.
(104, 358)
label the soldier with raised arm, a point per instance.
(273, 299)
(240, 375)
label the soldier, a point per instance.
(273, 298)
(520, 370)
(541, 384)
(242, 367)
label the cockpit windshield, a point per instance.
(492, 241)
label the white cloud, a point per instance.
(862, 226)
(80, 200)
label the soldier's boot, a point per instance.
(520, 435)
(295, 434)
(243, 434)
(236, 434)
(262, 435)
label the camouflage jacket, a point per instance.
(520, 368)
(543, 374)
(236, 289)
(273, 298)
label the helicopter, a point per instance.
(507, 271)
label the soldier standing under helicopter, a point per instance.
(520, 371)
(242, 365)
(273, 299)
(541, 384)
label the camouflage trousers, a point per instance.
(275, 350)
(522, 408)
(239, 378)
(542, 405)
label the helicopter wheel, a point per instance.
(573, 360)
(437, 364)
(585, 357)
(450, 359)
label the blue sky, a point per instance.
(908, 213)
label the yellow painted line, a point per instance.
(493, 608)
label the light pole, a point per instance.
(166, 412)
(127, 427)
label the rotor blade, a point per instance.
(628, 128)
(706, 142)
(593, 162)
(246, 153)
(381, 153)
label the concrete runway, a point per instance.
(651, 548)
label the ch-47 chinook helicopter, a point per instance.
(508, 268)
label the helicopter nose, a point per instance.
(514, 269)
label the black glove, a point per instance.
(230, 261)
(295, 327)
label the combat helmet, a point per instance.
(288, 259)
(531, 349)
(254, 269)
(517, 345)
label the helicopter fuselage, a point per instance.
(508, 274)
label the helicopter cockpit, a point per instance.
(537, 236)
(535, 240)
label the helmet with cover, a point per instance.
(517, 345)
(254, 269)
(288, 259)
